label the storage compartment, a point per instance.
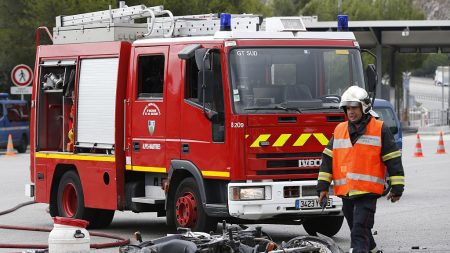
(96, 107)
(77, 115)
(55, 103)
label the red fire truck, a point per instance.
(197, 118)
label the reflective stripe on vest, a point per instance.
(370, 140)
(358, 168)
(363, 177)
(342, 143)
(339, 182)
(353, 192)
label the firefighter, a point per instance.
(356, 159)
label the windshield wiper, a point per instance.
(320, 108)
(277, 107)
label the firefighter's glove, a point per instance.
(323, 194)
(393, 197)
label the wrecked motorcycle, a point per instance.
(250, 240)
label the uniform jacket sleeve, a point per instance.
(392, 158)
(325, 171)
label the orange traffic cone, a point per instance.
(418, 152)
(10, 147)
(441, 148)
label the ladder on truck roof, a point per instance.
(118, 24)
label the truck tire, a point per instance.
(22, 145)
(186, 209)
(134, 189)
(70, 198)
(326, 225)
(101, 218)
(70, 203)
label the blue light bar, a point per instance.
(225, 22)
(342, 23)
(4, 95)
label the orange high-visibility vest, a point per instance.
(358, 168)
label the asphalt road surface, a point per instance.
(425, 92)
(421, 218)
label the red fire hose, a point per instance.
(121, 241)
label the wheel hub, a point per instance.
(186, 210)
(70, 200)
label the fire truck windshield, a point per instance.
(265, 80)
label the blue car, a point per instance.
(387, 114)
(14, 120)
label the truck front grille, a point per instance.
(279, 164)
(287, 172)
(309, 191)
(294, 191)
(282, 164)
(287, 155)
(291, 191)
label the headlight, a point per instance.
(248, 193)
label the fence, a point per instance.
(421, 117)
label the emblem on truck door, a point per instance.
(151, 109)
(151, 126)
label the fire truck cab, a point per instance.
(180, 117)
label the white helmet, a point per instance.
(355, 96)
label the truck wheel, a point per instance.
(70, 198)
(187, 210)
(101, 218)
(22, 147)
(134, 189)
(326, 225)
(70, 203)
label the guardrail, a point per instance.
(423, 117)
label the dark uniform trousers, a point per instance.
(360, 215)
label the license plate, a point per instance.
(310, 203)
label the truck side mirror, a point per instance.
(205, 81)
(188, 51)
(206, 93)
(202, 58)
(371, 74)
(207, 77)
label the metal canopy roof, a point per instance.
(427, 35)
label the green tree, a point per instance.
(327, 10)
(190, 7)
(429, 65)
(20, 18)
(13, 44)
(288, 7)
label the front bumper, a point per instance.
(29, 190)
(279, 205)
